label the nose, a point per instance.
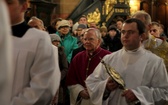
(152, 32)
(126, 35)
(86, 40)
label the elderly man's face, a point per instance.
(91, 41)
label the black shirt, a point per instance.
(20, 29)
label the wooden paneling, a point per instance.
(42, 9)
(144, 5)
(65, 7)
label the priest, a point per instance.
(82, 66)
(36, 74)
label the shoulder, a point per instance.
(80, 54)
(74, 38)
(159, 41)
(113, 55)
(152, 57)
(155, 61)
(164, 44)
(37, 33)
(55, 48)
(32, 39)
(70, 37)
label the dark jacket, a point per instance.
(112, 44)
(76, 51)
(63, 63)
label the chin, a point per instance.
(124, 44)
(89, 50)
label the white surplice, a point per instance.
(74, 93)
(37, 74)
(143, 72)
(5, 55)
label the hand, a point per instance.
(129, 96)
(84, 94)
(111, 85)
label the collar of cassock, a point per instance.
(20, 29)
(95, 52)
(135, 50)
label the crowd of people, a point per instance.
(80, 63)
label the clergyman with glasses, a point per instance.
(82, 65)
(144, 73)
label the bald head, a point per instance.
(146, 19)
(36, 23)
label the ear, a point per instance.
(149, 26)
(142, 36)
(24, 6)
(100, 41)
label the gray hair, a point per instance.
(143, 14)
(35, 18)
(155, 23)
(97, 32)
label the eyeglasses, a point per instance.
(64, 27)
(81, 35)
(89, 39)
(154, 30)
(128, 32)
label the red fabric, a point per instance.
(77, 70)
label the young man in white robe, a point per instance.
(144, 73)
(5, 55)
(36, 71)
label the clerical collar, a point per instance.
(132, 50)
(20, 29)
(95, 52)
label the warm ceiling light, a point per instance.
(134, 6)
